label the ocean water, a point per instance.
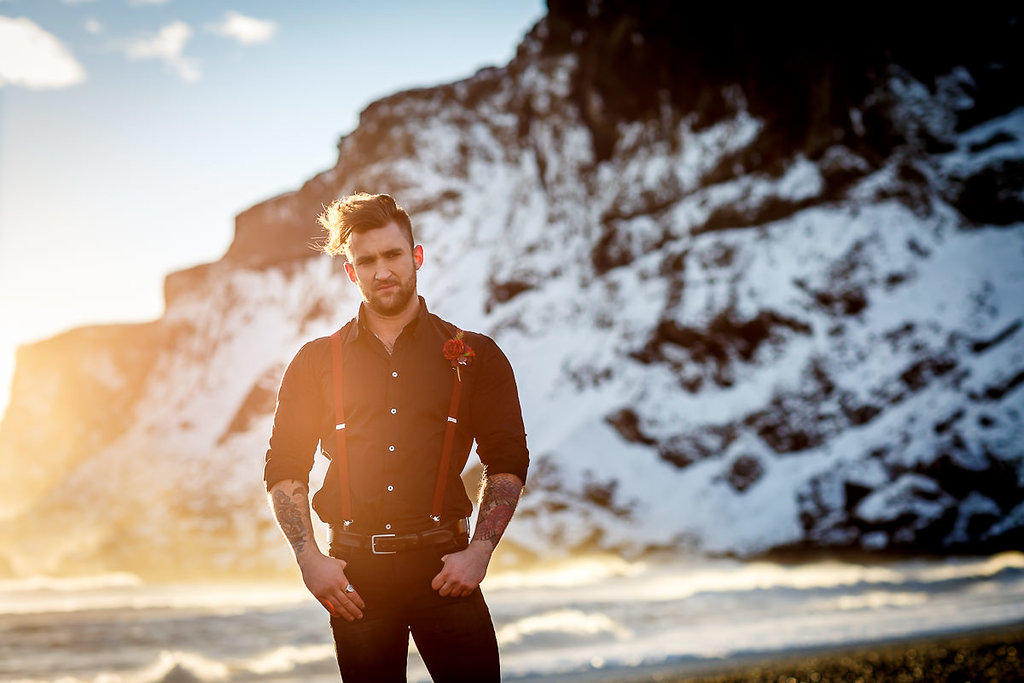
(585, 615)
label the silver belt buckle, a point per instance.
(373, 544)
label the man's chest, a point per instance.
(410, 389)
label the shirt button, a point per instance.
(391, 448)
(394, 374)
(391, 488)
(394, 410)
(387, 527)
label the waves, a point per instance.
(175, 666)
(45, 595)
(577, 616)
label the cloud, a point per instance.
(246, 30)
(93, 26)
(167, 45)
(33, 58)
(148, 2)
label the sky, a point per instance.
(133, 131)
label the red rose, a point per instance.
(458, 353)
(453, 348)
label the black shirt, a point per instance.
(396, 409)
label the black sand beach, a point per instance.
(989, 656)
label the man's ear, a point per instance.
(351, 272)
(417, 255)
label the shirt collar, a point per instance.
(361, 325)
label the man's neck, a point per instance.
(387, 328)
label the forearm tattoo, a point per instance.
(499, 496)
(293, 517)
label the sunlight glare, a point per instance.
(563, 621)
(574, 572)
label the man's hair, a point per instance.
(358, 213)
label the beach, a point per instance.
(995, 656)
(983, 656)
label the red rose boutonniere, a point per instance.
(458, 353)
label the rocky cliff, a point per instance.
(761, 287)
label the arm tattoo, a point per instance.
(291, 516)
(499, 496)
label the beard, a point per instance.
(392, 301)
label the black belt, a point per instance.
(389, 544)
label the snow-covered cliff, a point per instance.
(748, 309)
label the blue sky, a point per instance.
(132, 131)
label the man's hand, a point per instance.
(325, 578)
(463, 571)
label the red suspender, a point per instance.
(341, 449)
(341, 454)
(446, 450)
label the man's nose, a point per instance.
(382, 272)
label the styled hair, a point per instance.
(358, 213)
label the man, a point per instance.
(415, 391)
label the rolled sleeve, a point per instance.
(297, 420)
(498, 417)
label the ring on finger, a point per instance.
(350, 588)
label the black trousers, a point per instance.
(454, 636)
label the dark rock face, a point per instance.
(993, 196)
(724, 341)
(636, 58)
(745, 472)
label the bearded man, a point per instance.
(395, 399)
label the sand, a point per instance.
(989, 656)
